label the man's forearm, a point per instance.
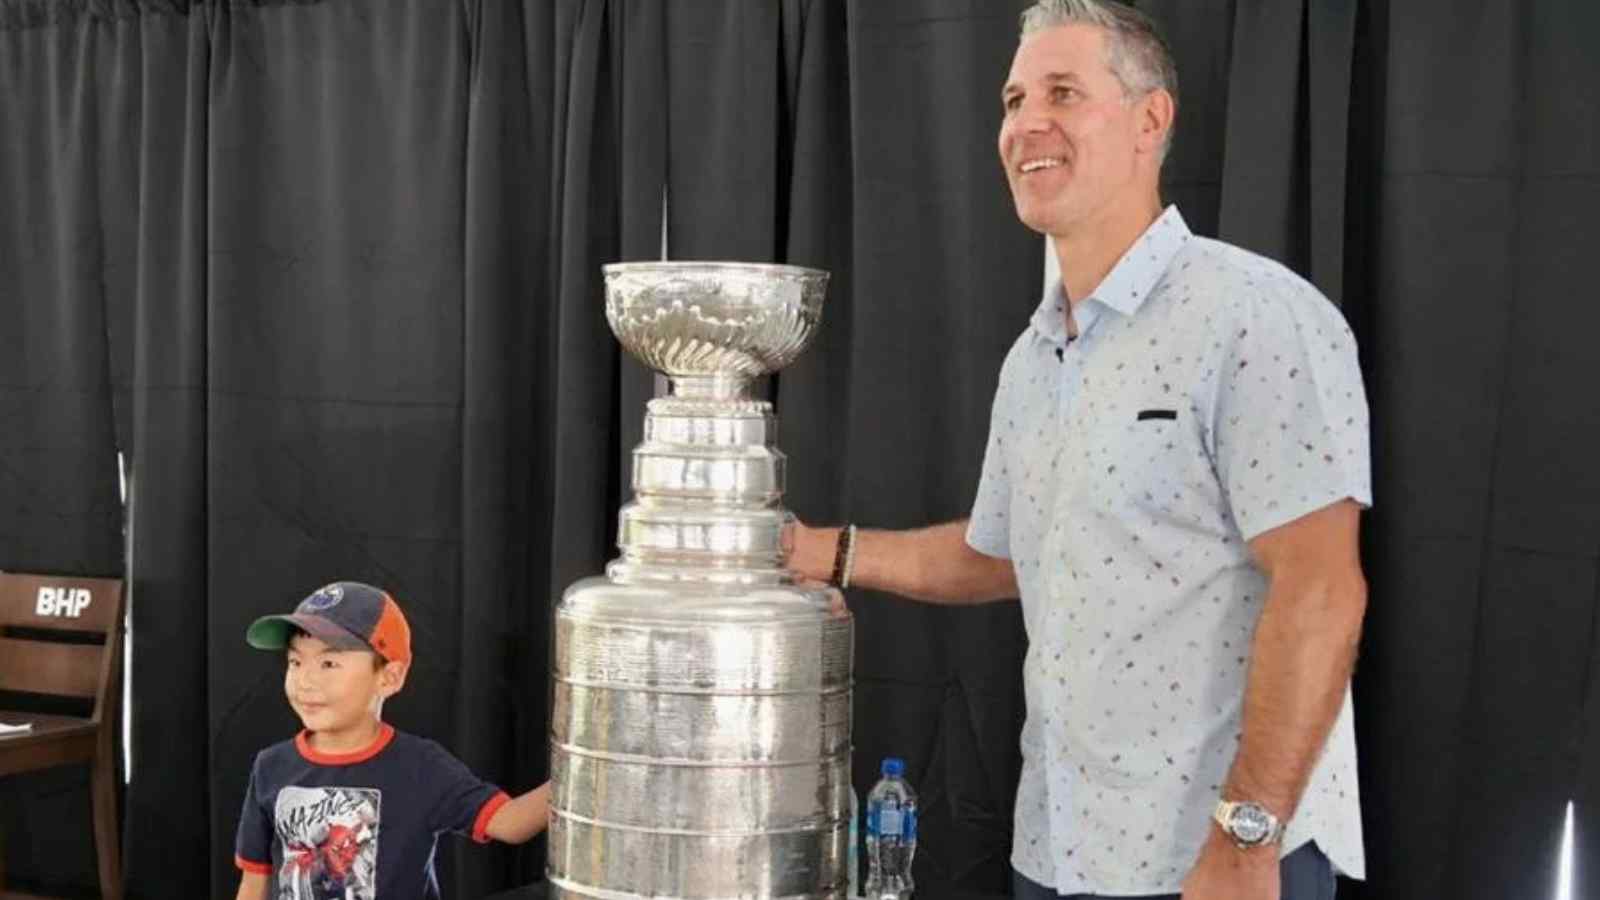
(933, 564)
(1300, 664)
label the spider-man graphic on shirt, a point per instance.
(330, 842)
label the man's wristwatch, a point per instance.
(1248, 824)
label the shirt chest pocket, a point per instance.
(1150, 457)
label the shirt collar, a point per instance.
(302, 743)
(1125, 287)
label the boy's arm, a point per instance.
(252, 886)
(518, 821)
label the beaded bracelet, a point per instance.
(844, 557)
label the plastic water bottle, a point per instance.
(853, 858)
(891, 834)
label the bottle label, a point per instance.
(889, 822)
(910, 832)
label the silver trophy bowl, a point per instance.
(718, 320)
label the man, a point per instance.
(1176, 465)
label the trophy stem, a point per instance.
(710, 387)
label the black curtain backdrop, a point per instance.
(1477, 136)
(328, 274)
(68, 235)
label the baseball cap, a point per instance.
(345, 615)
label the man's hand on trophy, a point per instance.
(811, 550)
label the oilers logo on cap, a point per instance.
(325, 598)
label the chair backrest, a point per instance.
(48, 626)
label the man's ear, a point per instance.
(392, 677)
(1156, 113)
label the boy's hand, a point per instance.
(252, 886)
(522, 818)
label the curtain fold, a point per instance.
(168, 822)
(1286, 134)
(1201, 34)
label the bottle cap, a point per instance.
(893, 766)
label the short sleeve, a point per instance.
(989, 527)
(463, 803)
(1291, 421)
(252, 845)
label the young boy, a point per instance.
(352, 809)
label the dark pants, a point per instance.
(1307, 875)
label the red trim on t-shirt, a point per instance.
(302, 742)
(480, 827)
(251, 866)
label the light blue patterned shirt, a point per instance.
(1211, 395)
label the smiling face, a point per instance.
(1075, 147)
(338, 694)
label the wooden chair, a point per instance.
(44, 621)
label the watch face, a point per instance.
(1250, 824)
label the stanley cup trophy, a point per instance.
(700, 734)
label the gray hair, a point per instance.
(1136, 52)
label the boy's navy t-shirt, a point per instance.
(358, 826)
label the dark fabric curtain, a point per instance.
(171, 762)
(328, 273)
(340, 262)
(1480, 165)
(68, 233)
